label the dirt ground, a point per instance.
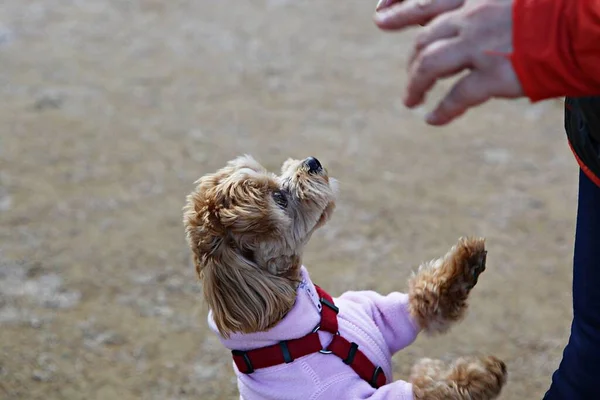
(111, 109)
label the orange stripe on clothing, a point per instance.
(584, 168)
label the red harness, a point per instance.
(289, 350)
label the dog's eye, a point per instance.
(280, 198)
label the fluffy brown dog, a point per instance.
(247, 229)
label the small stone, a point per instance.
(196, 134)
(388, 176)
(496, 156)
(45, 368)
(112, 339)
(64, 300)
(34, 270)
(162, 311)
(174, 283)
(47, 103)
(144, 278)
(536, 204)
(41, 376)
(204, 371)
(35, 323)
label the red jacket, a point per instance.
(556, 47)
(556, 52)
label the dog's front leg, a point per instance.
(438, 292)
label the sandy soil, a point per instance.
(110, 109)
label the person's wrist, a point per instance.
(518, 40)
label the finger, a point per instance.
(385, 3)
(470, 91)
(439, 60)
(413, 12)
(443, 27)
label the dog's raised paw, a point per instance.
(477, 258)
(470, 256)
(438, 294)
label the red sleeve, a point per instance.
(556, 47)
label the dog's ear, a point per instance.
(204, 231)
(242, 297)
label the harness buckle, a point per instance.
(323, 351)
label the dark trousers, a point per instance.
(578, 376)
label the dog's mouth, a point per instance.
(314, 167)
(333, 187)
(325, 215)
(309, 183)
(310, 191)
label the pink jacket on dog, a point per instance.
(380, 325)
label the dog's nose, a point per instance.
(314, 166)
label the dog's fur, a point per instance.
(247, 229)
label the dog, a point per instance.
(247, 229)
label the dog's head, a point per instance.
(247, 229)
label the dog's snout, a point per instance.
(314, 166)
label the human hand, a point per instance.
(458, 36)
